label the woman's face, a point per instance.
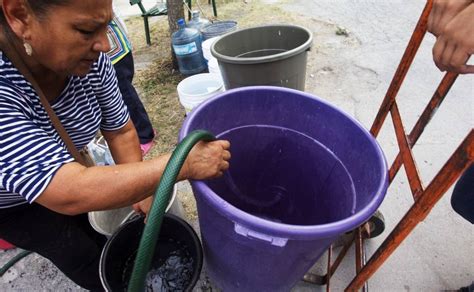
(69, 38)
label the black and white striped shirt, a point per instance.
(31, 150)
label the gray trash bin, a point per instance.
(264, 55)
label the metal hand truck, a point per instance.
(424, 197)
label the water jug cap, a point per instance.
(181, 22)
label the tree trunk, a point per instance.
(175, 12)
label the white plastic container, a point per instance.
(197, 88)
(212, 63)
(206, 48)
(106, 222)
(213, 67)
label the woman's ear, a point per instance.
(18, 16)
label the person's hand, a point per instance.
(443, 12)
(455, 45)
(207, 160)
(144, 206)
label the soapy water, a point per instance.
(173, 272)
(174, 275)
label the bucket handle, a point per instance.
(246, 232)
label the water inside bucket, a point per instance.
(261, 53)
(174, 275)
(173, 268)
(283, 175)
(204, 87)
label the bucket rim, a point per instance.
(257, 60)
(198, 76)
(211, 29)
(302, 232)
(218, 23)
(91, 215)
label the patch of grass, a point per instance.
(166, 114)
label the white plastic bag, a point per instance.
(99, 151)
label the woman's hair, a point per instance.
(39, 7)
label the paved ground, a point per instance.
(439, 253)
(354, 72)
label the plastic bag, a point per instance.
(99, 151)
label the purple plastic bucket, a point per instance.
(302, 173)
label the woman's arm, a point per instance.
(76, 189)
(124, 144)
(125, 147)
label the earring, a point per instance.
(28, 48)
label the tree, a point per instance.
(175, 12)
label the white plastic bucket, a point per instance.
(213, 66)
(197, 88)
(106, 222)
(212, 63)
(206, 48)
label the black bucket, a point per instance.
(178, 246)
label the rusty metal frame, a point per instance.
(424, 197)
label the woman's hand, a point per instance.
(206, 160)
(143, 207)
(455, 45)
(443, 12)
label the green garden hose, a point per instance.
(150, 233)
(13, 260)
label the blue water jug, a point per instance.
(187, 47)
(196, 21)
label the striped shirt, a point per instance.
(31, 151)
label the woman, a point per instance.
(44, 193)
